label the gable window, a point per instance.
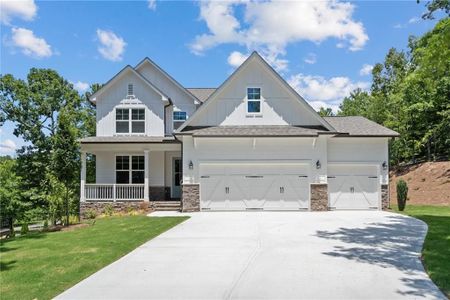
(253, 100)
(178, 118)
(130, 91)
(127, 172)
(125, 124)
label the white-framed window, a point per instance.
(130, 90)
(178, 118)
(130, 169)
(130, 120)
(253, 100)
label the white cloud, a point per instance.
(151, 4)
(366, 70)
(236, 58)
(311, 58)
(112, 46)
(30, 44)
(413, 20)
(7, 146)
(81, 86)
(269, 26)
(23, 9)
(323, 92)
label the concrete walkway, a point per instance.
(268, 255)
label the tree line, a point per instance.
(410, 93)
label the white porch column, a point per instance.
(146, 162)
(83, 176)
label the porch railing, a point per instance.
(114, 192)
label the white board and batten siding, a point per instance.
(116, 97)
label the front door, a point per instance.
(176, 177)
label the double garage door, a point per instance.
(252, 186)
(353, 187)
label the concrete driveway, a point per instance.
(283, 255)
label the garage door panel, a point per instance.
(250, 186)
(353, 187)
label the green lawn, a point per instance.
(42, 265)
(436, 249)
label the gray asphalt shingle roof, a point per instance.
(126, 139)
(201, 94)
(359, 126)
(253, 130)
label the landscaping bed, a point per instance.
(42, 265)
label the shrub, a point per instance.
(90, 214)
(74, 219)
(109, 210)
(46, 225)
(402, 194)
(24, 230)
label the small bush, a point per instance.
(90, 214)
(45, 225)
(24, 230)
(402, 194)
(74, 219)
(108, 210)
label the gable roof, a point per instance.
(117, 77)
(152, 63)
(201, 94)
(252, 57)
(359, 126)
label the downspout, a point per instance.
(165, 121)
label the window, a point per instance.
(124, 124)
(130, 91)
(130, 173)
(253, 100)
(178, 118)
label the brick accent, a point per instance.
(385, 196)
(118, 207)
(157, 193)
(190, 198)
(319, 197)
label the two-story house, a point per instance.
(251, 144)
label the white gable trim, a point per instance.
(149, 61)
(118, 76)
(276, 76)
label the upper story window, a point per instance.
(253, 100)
(130, 91)
(178, 118)
(125, 124)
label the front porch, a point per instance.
(131, 172)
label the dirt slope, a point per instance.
(429, 183)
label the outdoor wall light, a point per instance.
(191, 165)
(384, 165)
(318, 165)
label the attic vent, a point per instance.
(130, 92)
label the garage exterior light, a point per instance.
(318, 165)
(191, 165)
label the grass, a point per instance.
(436, 249)
(42, 265)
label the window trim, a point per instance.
(260, 100)
(178, 121)
(130, 167)
(130, 119)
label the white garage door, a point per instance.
(353, 187)
(243, 186)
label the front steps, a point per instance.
(165, 205)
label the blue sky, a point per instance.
(324, 49)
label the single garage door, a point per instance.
(247, 186)
(353, 187)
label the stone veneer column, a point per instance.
(319, 197)
(190, 198)
(384, 196)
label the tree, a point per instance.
(50, 115)
(11, 206)
(326, 112)
(435, 5)
(356, 104)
